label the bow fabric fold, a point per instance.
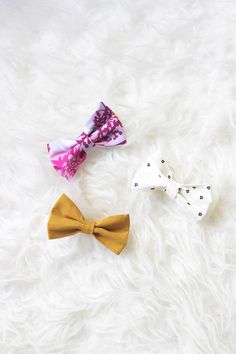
(156, 174)
(102, 129)
(66, 219)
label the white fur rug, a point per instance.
(167, 68)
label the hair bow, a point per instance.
(102, 129)
(66, 219)
(156, 174)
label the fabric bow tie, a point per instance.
(66, 219)
(156, 174)
(102, 129)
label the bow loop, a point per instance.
(66, 219)
(102, 129)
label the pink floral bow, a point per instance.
(102, 129)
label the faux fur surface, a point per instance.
(167, 68)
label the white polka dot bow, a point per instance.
(156, 174)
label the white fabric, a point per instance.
(156, 174)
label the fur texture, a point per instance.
(167, 68)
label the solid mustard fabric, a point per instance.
(66, 219)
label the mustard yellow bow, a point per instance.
(66, 219)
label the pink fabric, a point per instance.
(102, 129)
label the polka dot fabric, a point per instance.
(156, 174)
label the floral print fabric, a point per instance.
(102, 129)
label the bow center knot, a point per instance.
(85, 141)
(172, 187)
(88, 227)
